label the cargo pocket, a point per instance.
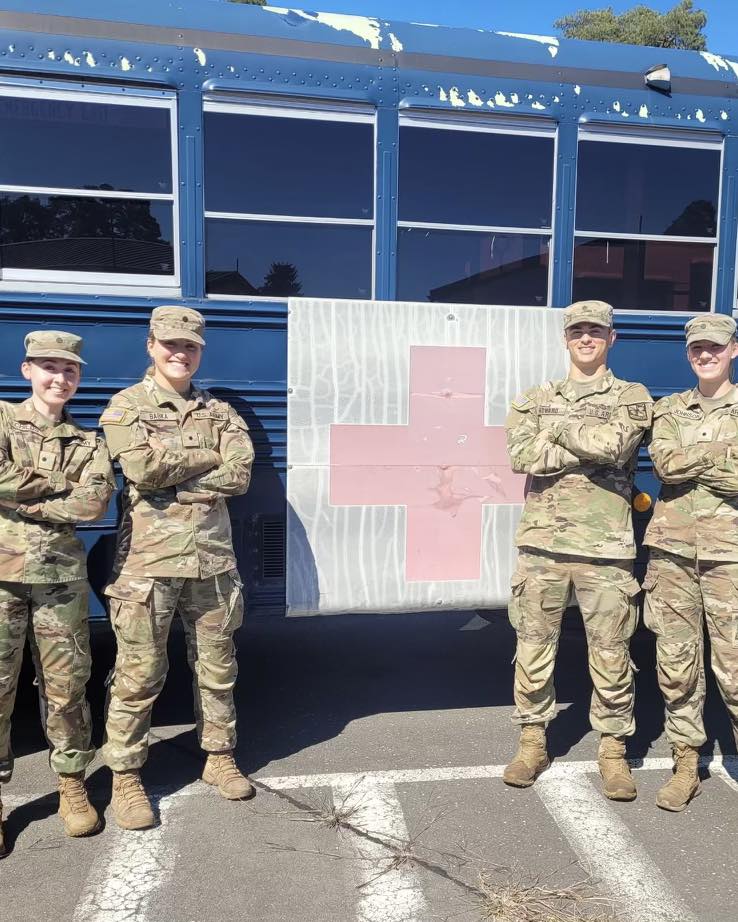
(131, 614)
(631, 590)
(651, 617)
(234, 612)
(514, 610)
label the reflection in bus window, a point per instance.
(475, 209)
(644, 274)
(486, 268)
(279, 260)
(95, 208)
(278, 224)
(646, 221)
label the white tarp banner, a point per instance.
(400, 495)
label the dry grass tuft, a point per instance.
(510, 897)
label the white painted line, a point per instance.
(608, 851)
(727, 772)
(465, 773)
(125, 877)
(389, 890)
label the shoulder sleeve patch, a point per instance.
(116, 416)
(638, 412)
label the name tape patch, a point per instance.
(151, 416)
(551, 410)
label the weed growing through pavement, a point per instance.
(499, 894)
(510, 896)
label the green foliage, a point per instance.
(680, 27)
(255, 2)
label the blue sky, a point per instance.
(524, 15)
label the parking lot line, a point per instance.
(389, 889)
(608, 851)
(126, 876)
(466, 773)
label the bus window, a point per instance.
(475, 213)
(78, 201)
(646, 221)
(289, 202)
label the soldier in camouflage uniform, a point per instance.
(692, 574)
(182, 452)
(578, 440)
(53, 474)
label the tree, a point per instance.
(256, 2)
(281, 281)
(680, 27)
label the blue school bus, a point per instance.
(229, 157)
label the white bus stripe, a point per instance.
(389, 890)
(607, 850)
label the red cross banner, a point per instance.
(400, 493)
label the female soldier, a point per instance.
(182, 452)
(693, 571)
(53, 474)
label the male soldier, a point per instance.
(577, 439)
(53, 474)
(693, 570)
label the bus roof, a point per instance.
(204, 24)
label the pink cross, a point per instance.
(443, 466)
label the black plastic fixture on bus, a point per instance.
(273, 551)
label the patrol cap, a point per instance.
(172, 322)
(54, 344)
(598, 312)
(715, 328)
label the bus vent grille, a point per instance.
(272, 549)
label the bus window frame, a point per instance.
(699, 139)
(490, 124)
(76, 282)
(297, 108)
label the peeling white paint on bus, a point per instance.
(720, 63)
(363, 26)
(549, 40)
(201, 56)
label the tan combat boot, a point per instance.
(530, 759)
(131, 807)
(617, 781)
(3, 851)
(77, 813)
(222, 771)
(684, 784)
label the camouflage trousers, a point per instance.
(54, 618)
(606, 592)
(681, 595)
(141, 612)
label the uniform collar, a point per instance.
(26, 412)
(568, 388)
(694, 399)
(163, 398)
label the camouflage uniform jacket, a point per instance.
(695, 455)
(579, 446)
(178, 467)
(51, 477)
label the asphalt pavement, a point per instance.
(377, 744)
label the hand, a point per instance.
(187, 498)
(29, 510)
